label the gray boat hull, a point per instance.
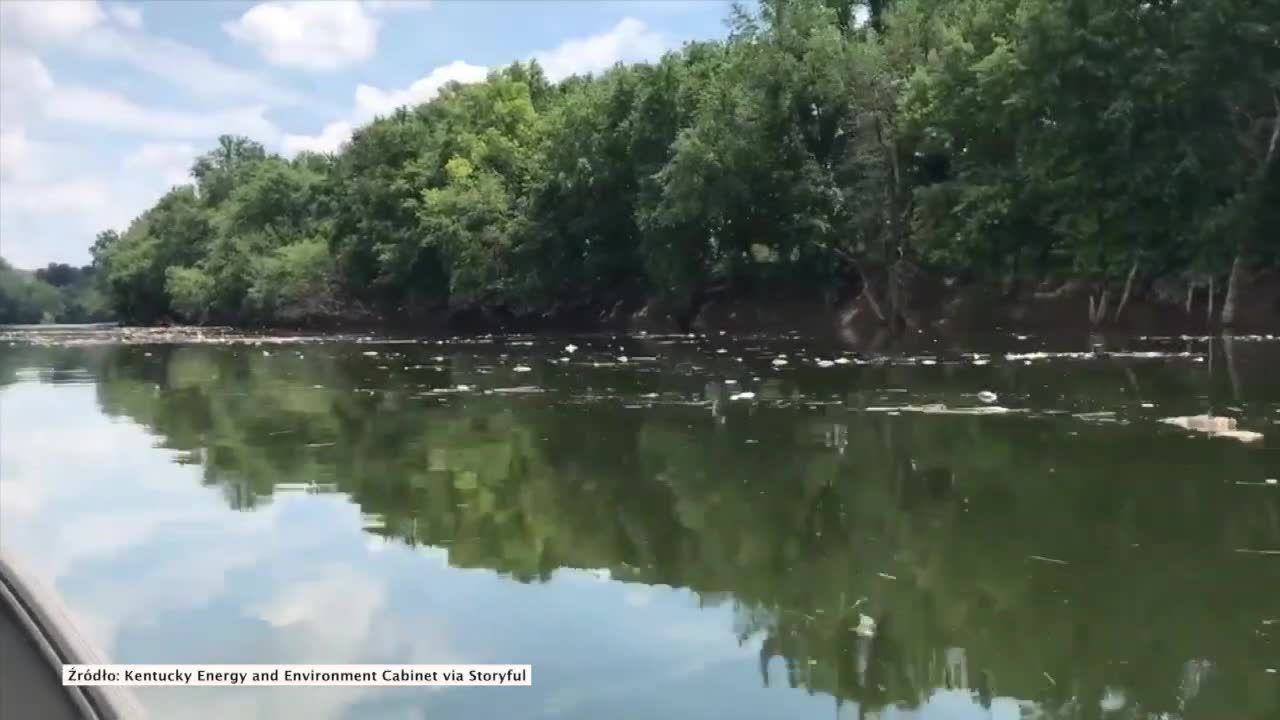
(36, 639)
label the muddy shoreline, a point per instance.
(937, 305)
(937, 308)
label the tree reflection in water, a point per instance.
(814, 521)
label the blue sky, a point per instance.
(103, 105)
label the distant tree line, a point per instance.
(56, 293)
(824, 146)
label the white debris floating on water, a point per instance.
(825, 363)
(743, 396)
(522, 368)
(570, 348)
(1214, 426)
(1043, 558)
(987, 396)
(940, 409)
(842, 361)
(779, 362)
(1047, 355)
(866, 626)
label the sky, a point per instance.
(104, 105)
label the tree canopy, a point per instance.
(824, 145)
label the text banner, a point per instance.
(399, 675)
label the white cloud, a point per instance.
(44, 190)
(130, 16)
(80, 28)
(55, 215)
(329, 140)
(168, 160)
(372, 102)
(20, 71)
(28, 91)
(190, 69)
(629, 41)
(105, 109)
(16, 154)
(75, 195)
(57, 195)
(397, 6)
(22, 77)
(308, 35)
(661, 7)
(41, 21)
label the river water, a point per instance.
(663, 526)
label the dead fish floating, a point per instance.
(1214, 426)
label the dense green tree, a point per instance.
(825, 147)
(1090, 137)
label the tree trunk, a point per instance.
(1254, 193)
(1233, 290)
(875, 306)
(868, 294)
(1228, 349)
(1098, 309)
(1191, 289)
(1128, 288)
(895, 212)
(1208, 313)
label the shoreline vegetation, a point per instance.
(892, 164)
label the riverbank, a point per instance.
(942, 305)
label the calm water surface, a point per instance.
(663, 526)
